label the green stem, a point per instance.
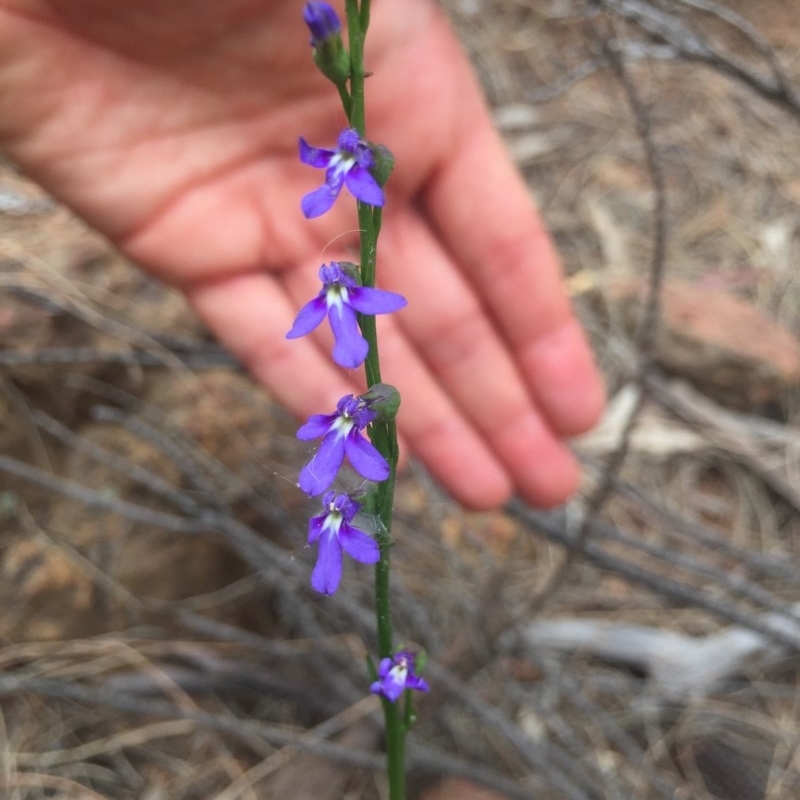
(355, 37)
(383, 434)
(365, 4)
(345, 98)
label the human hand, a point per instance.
(173, 130)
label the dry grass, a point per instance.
(160, 641)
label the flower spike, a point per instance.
(348, 165)
(322, 21)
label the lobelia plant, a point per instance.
(350, 301)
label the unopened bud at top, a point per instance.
(326, 39)
(322, 21)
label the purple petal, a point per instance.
(351, 347)
(309, 316)
(328, 569)
(347, 506)
(415, 682)
(349, 141)
(384, 667)
(393, 685)
(363, 416)
(363, 186)
(358, 545)
(316, 426)
(315, 527)
(366, 460)
(375, 301)
(322, 21)
(316, 203)
(320, 472)
(315, 156)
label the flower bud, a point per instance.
(329, 54)
(350, 269)
(322, 21)
(384, 163)
(383, 399)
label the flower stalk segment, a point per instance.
(350, 301)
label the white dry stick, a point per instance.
(680, 667)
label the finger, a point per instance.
(251, 314)
(448, 326)
(485, 215)
(438, 433)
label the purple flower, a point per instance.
(322, 21)
(340, 297)
(348, 164)
(334, 533)
(395, 675)
(341, 432)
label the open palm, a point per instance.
(173, 129)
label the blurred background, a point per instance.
(158, 636)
